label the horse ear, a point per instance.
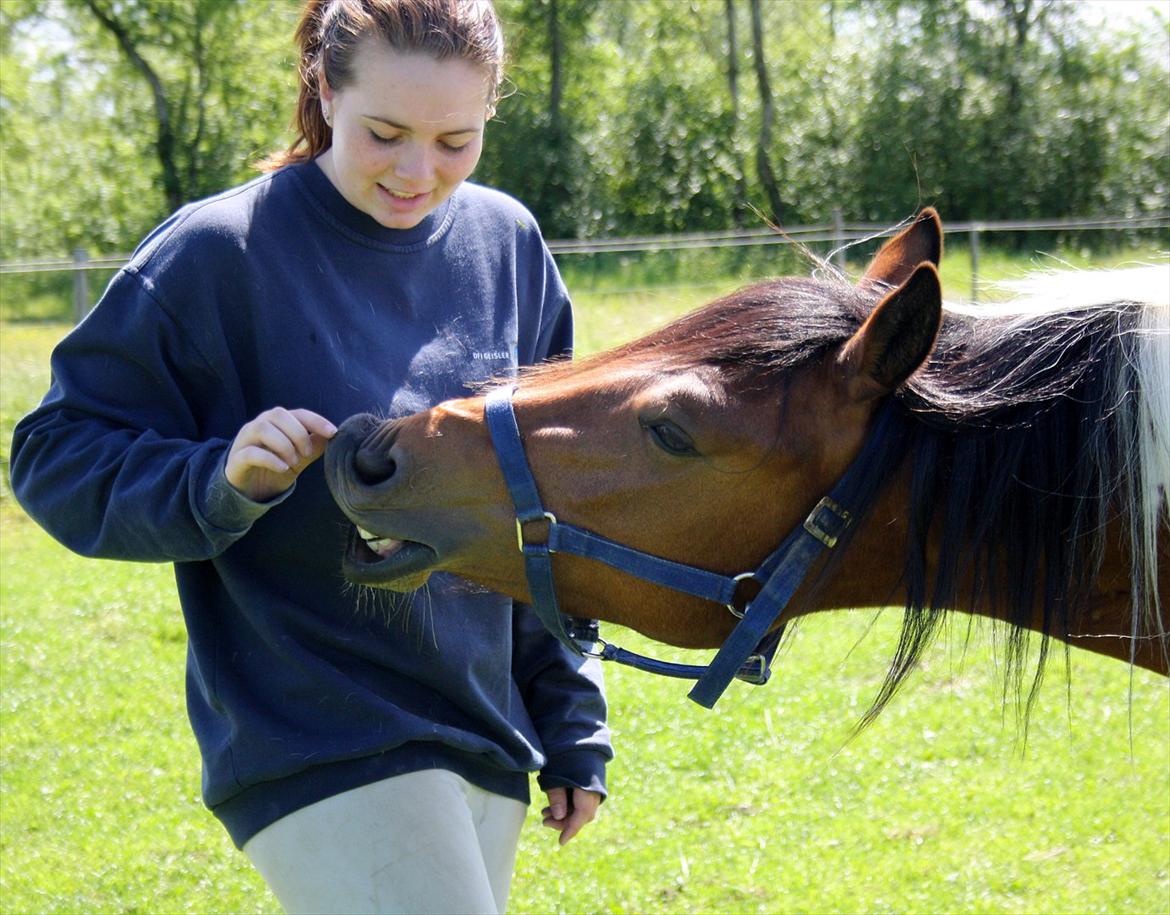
(896, 338)
(901, 255)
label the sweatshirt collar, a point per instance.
(340, 211)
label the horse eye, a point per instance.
(671, 439)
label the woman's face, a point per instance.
(406, 132)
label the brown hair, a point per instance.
(330, 31)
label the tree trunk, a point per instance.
(739, 205)
(767, 115)
(556, 67)
(1019, 14)
(557, 197)
(165, 134)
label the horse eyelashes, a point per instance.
(671, 439)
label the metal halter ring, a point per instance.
(734, 610)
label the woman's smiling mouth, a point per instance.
(401, 197)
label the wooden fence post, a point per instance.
(838, 240)
(974, 244)
(80, 285)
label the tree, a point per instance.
(625, 116)
(81, 163)
(536, 147)
(740, 205)
(767, 115)
(183, 54)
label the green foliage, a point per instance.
(998, 123)
(620, 118)
(80, 164)
(539, 142)
(673, 137)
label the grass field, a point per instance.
(763, 805)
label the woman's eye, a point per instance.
(385, 141)
(671, 439)
(451, 148)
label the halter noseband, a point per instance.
(747, 653)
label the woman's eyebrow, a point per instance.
(390, 123)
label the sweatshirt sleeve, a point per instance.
(114, 462)
(565, 699)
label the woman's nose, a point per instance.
(414, 164)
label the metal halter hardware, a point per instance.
(747, 652)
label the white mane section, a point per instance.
(1047, 291)
(1154, 443)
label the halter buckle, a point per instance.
(827, 522)
(548, 520)
(754, 670)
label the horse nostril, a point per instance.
(372, 463)
(372, 466)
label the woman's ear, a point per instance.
(325, 96)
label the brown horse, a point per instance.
(1020, 471)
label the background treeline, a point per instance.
(624, 116)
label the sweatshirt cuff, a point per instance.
(575, 769)
(226, 508)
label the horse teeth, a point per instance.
(383, 546)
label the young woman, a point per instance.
(364, 760)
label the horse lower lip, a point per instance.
(406, 559)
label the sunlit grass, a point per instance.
(763, 805)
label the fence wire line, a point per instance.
(840, 233)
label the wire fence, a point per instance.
(838, 233)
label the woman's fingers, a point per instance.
(316, 424)
(568, 813)
(284, 434)
(269, 451)
(319, 430)
(254, 456)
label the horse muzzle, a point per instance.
(367, 477)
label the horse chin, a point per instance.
(405, 569)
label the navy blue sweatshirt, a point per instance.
(281, 293)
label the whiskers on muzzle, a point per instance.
(413, 611)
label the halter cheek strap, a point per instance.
(747, 652)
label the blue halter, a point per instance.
(747, 653)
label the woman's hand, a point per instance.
(269, 452)
(568, 814)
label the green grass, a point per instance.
(763, 805)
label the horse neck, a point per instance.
(870, 573)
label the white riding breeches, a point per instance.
(423, 842)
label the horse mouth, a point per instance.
(384, 562)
